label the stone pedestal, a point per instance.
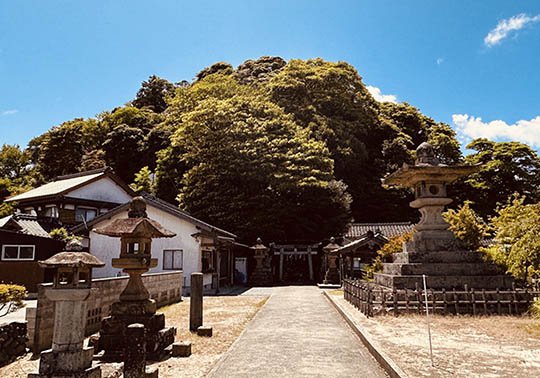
(70, 291)
(67, 357)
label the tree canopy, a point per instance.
(280, 149)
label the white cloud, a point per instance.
(524, 131)
(377, 95)
(506, 26)
(9, 112)
(440, 61)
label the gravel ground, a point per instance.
(228, 315)
(463, 346)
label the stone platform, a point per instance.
(455, 269)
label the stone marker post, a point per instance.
(71, 288)
(135, 352)
(196, 302)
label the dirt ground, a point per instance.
(463, 346)
(228, 315)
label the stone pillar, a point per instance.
(196, 302)
(135, 352)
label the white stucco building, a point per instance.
(197, 246)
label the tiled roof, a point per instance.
(389, 230)
(55, 187)
(28, 224)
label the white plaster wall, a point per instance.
(104, 189)
(106, 248)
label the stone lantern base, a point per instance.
(113, 337)
(261, 277)
(55, 364)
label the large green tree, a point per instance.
(254, 171)
(505, 168)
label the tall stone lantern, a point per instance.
(135, 305)
(433, 251)
(331, 276)
(429, 180)
(72, 281)
(262, 273)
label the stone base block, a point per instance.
(65, 362)
(204, 331)
(438, 257)
(181, 349)
(444, 282)
(443, 269)
(261, 277)
(113, 339)
(147, 307)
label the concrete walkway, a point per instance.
(298, 334)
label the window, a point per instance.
(207, 261)
(356, 263)
(18, 252)
(51, 211)
(85, 213)
(173, 259)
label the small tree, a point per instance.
(517, 245)
(467, 226)
(11, 297)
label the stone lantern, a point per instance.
(135, 305)
(433, 250)
(71, 288)
(331, 276)
(429, 179)
(262, 273)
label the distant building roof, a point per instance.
(388, 230)
(160, 204)
(28, 224)
(67, 183)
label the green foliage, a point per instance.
(535, 309)
(506, 168)
(467, 226)
(250, 165)
(143, 181)
(59, 234)
(516, 244)
(12, 295)
(394, 245)
(222, 68)
(153, 94)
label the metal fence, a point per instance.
(373, 300)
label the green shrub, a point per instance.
(12, 296)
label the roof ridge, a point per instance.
(81, 174)
(379, 223)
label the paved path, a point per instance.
(298, 334)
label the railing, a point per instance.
(373, 300)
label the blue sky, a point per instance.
(472, 64)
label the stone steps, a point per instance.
(448, 282)
(443, 269)
(438, 257)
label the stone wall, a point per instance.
(12, 341)
(164, 288)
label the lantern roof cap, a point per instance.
(259, 245)
(409, 176)
(72, 259)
